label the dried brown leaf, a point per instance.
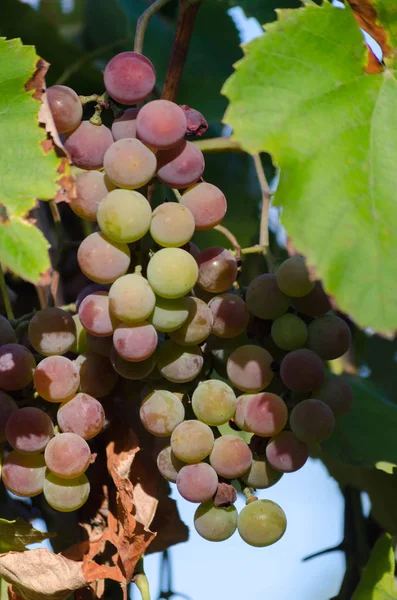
(366, 16)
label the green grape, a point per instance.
(80, 345)
(66, 495)
(161, 412)
(230, 456)
(169, 315)
(289, 332)
(329, 337)
(198, 325)
(264, 298)
(293, 277)
(312, 421)
(172, 272)
(179, 364)
(172, 225)
(124, 216)
(168, 464)
(129, 164)
(337, 394)
(215, 523)
(214, 402)
(261, 523)
(131, 299)
(249, 368)
(261, 474)
(192, 441)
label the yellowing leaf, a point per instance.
(377, 581)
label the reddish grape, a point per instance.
(180, 166)
(315, 304)
(95, 315)
(65, 106)
(337, 394)
(249, 368)
(52, 331)
(178, 363)
(83, 415)
(17, 364)
(197, 483)
(91, 187)
(266, 414)
(264, 298)
(207, 203)
(302, 370)
(23, 474)
(198, 325)
(90, 289)
(312, 421)
(102, 260)
(160, 412)
(7, 407)
(7, 333)
(56, 379)
(241, 406)
(230, 314)
(97, 376)
(230, 456)
(161, 124)
(293, 277)
(129, 77)
(67, 455)
(29, 430)
(329, 337)
(135, 342)
(132, 370)
(87, 145)
(124, 126)
(217, 269)
(286, 453)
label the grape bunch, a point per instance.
(213, 364)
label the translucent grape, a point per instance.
(230, 315)
(81, 344)
(289, 332)
(249, 368)
(100, 345)
(261, 523)
(337, 394)
(132, 370)
(172, 272)
(198, 325)
(266, 414)
(168, 464)
(125, 125)
(207, 203)
(286, 453)
(169, 315)
(124, 216)
(293, 278)
(192, 441)
(215, 523)
(83, 415)
(91, 187)
(129, 77)
(65, 106)
(135, 342)
(315, 304)
(97, 376)
(7, 333)
(241, 405)
(312, 421)
(217, 269)
(214, 402)
(67, 455)
(161, 124)
(66, 495)
(329, 337)
(16, 367)
(56, 379)
(7, 407)
(101, 259)
(197, 483)
(172, 225)
(129, 163)
(177, 363)
(261, 474)
(95, 315)
(302, 370)
(264, 298)
(23, 474)
(87, 145)
(52, 331)
(180, 166)
(90, 289)
(131, 298)
(161, 412)
(29, 430)
(230, 456)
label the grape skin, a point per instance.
(215, 523)
(207, 203)
(241, 405)
(329, 337)
(214, 402)
(315, 304)
(172, 272)
(293, 277)
(52, 331)
(87, 145)
(7, 333)
(302, 370)
(264, 298)
(125, 125)
(83, 415)
(198, 325)
(17, 364)
(177, 363)
(97, 376)
(129, 77)
(230, 456)
(222, 348)
(172, 225)
(135, 342)
(129, 163)
(289, 332)
(66, 495)
(266, 414)
(124, 216)
(161, 412)
(261, 523)
(337, 394)
(7, 407)
(180, 166)
(261, 474)
(217, 269)
(169, 315)
(131, 298)
(95, 316)
(56, 379)
(168, 464)
(132, 370)
(29, 430)
(312, 421)
(286, 453)
(81, 344)
(102, 260)
(249, 368)
(91, 187)
(23, 474)
(192, 441)
(230, 315)
(92, 288)
(65, 106)
(161, 124)
(67, 455)
(99, 345)
(197, 483)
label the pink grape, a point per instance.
(192, 441)
(129, 77)
(23, 474)
(293, 277)
(17, 364)
(161, 124)
(87, 145)
(230, 315)
(102, 260)
(67, 455)
(315, 304)
(266, 414)
(177, 363)
(198, 325)
(241, 406)
(132, 370)
(65, 106)
(160, 412)
(97, 376)
(312, 421)
(261, 474)
(329, 337)
(52, 331)
(95, 315)
(302, 370)
(197, 483)
(230, 456)
(217, 269)
(7, 333)
(29, 430)
(264, 298)
(83, 415)
(7, 407)
(135, 342)
(129, 163)
(90, 289)
(100, 345)
(286, 453)
(207, 203)
(56, 379)
(168, 464)
(91, 187)
(180, 166)
(337, 394)
(124, 126)
(249, 368)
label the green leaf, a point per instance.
(16, 535)
(24, 249)
(302, 95)
(377, 581)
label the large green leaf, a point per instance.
(301, 94)
(377, 581)
(16, 535)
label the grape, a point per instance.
(95, 316)
(90, 289)
(192, 441)
(124, 126)
(161, 412)
(29, 430)
(197, 483)
(179, 364)
(66, 495)
(16, 367)
(7, 333)
(81, 344)
(329, 337)
(7, 407)
(337, 394)
(266, 414)
(67, 455)
(168, 464)
(241, 406)
(198, 325)
(91, 187)
(207, 203)
(230, 456)
(131, 298)
(230, 314)
(169, 315)
(102, 260)
(161, 124)
(289, 332)
(312, 421)
(131, 370)
(261, 474)
(88, 144)
(215, 523)
(129, 77)
(135, 342)
(97, 377)
(124, 216)
(129, 163)
(23, 474)
(217, 269)
(180, 166)
(293, 277)
(56, 379)
(214, 402)
(52, 331)
(222, 348)
(249, 368)
(172, 272)
(83, 415)
(286, 453)
(172, 225)
(264, 298)
(261, 523)
(315, 304)
(302, 370)
(193, 249)
(100, 345)
(65, 106)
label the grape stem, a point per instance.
(231, 237)
(142, 583)
(4, 293)
(266, 195)
(249, 496)
(143, 22)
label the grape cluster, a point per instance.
(205, 353)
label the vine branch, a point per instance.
(266, 195)
(143, 22)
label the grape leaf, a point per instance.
(301, 94)
(16, 535)
(377, 581)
